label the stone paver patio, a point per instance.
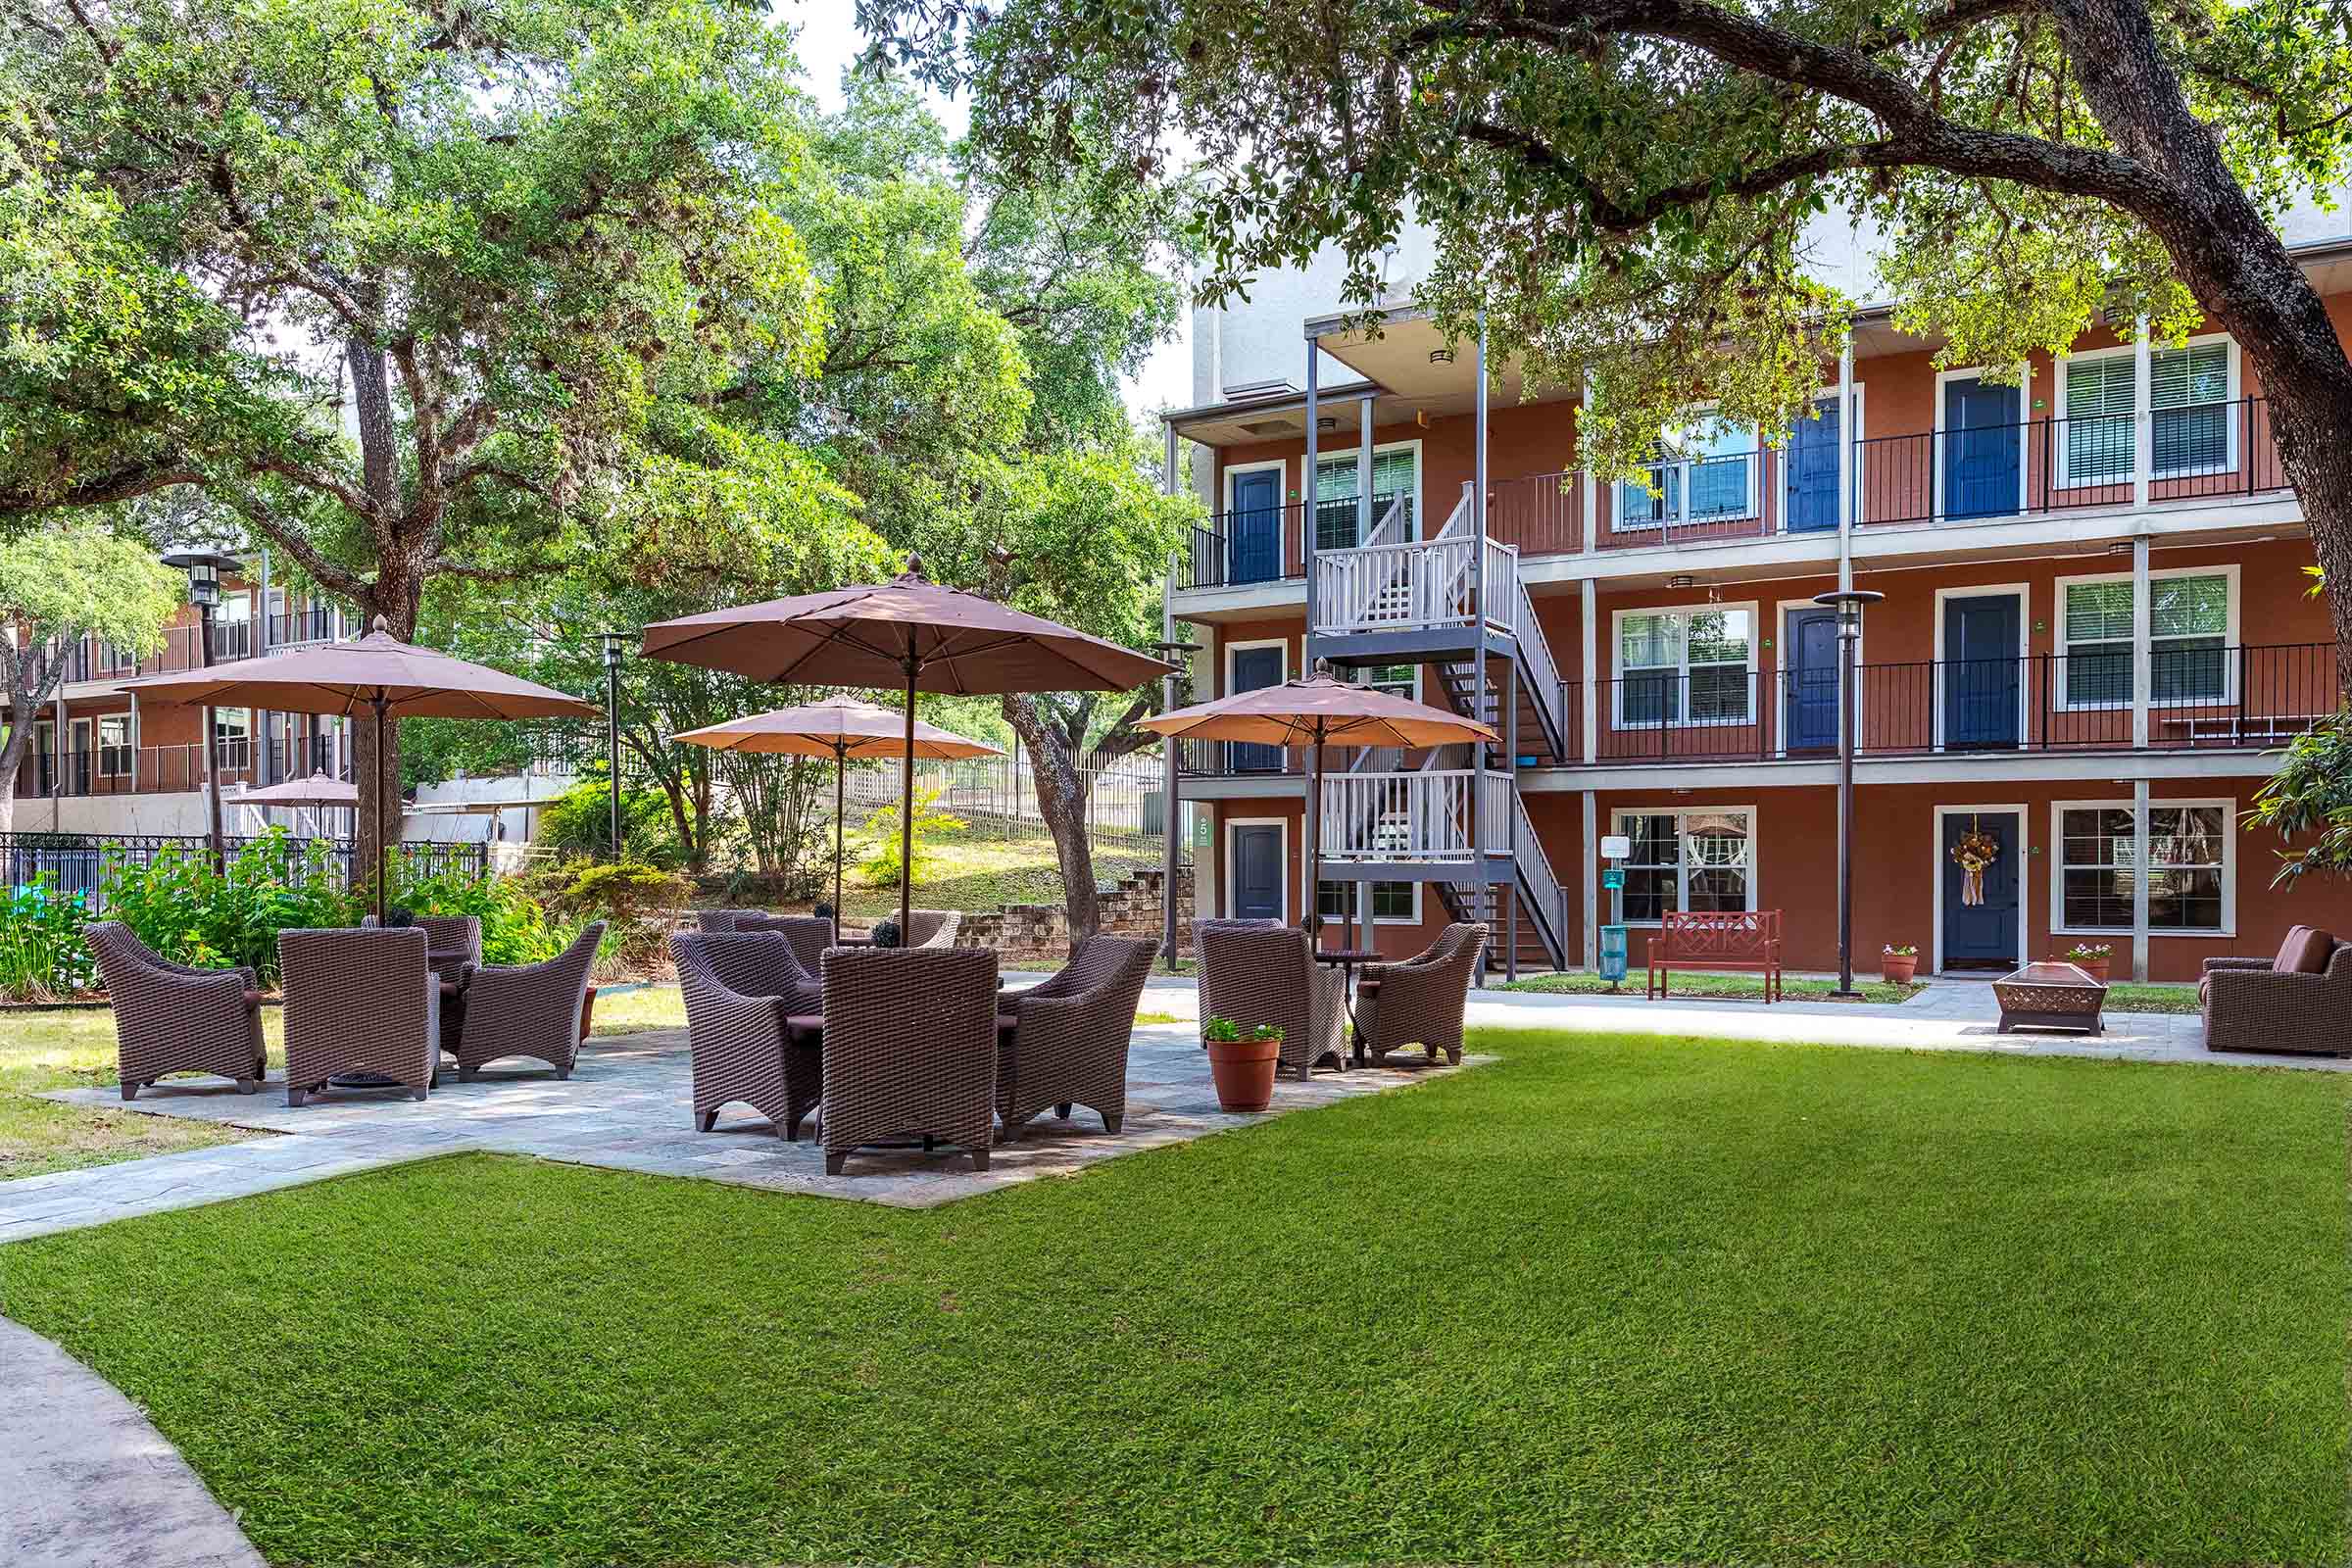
(624, 1108)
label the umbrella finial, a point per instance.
(380, 625)
(915, 565)
(1323, 668)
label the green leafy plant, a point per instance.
(43, 955)
(1226, 1031)
(880, 863)
(2310, 794)
(1900, 950)
(639, 903)
(579, 822)
(514, 926)
(187, 913)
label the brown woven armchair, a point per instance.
(717, 919)
(2263, 1004)
(359, 1000)
(171, 1018)
(1261, 972)
(453, 942)
(739, 989)
(809, 936)
(910, 1049)
(1068, 1046)
(528, 1010)
(1420, 1001)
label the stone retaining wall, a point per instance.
(1025, 933)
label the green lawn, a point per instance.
(1680, 982)
(2128, 996)
(70, 1048)
(1611, 1299)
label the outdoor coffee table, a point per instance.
(2050, 995)
(1348, 959)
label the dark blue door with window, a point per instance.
(1981, 935)
(1983, 444)
(1980, 670)
(1812, 459)
(1812, 680)
(1254, 668)
(1258, 872)
(1255, 524)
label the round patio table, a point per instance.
(1348, 959)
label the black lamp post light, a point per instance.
(1849, 603)
(204, 567)
(614, 643)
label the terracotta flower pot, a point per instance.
(2096, 968)
(1243, 1070)
(1897, 969)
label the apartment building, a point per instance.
(100, 765)
(2095, 636)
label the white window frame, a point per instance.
(1281, 825)
(2024, 594)
(2058, 869)
(2062, 647)
(130, 744)
(2144, 400)
(2232, 459)
(1618, 677)
(1420, 477)
(2062, 475)
(1352, 883)
(2025, 407)
(1697, 413)
(1682, 870)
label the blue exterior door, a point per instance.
(1812, 461)
(1980, 670)
(1255, 524)
(1982, 443)
(1980, 934)
(1254, 668)
(1812, 680)
(1256, 872)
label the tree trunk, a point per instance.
(2228, 253)
(1061, 791)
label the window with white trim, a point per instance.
(113, 745)
(2189, 414)
(2187, 873)
(1699, 859)
(1398, 680)
(2188, 640)
(1684, 667)
(1395, 476)
(1706, 472)
(2099, 399)
(232, 736)
(1391, 901)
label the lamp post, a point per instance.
(1849, 602)
(614, 640)
(202, 567)
(1172, 815)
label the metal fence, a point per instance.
(78, 862)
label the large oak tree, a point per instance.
(1624, 186)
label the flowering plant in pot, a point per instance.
(1242, 1061)
(2092, 959)
(1897, 963)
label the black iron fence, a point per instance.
(77, 865)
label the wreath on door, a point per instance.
(1973, 854)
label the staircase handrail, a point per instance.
(1542, 680)
(1535, 869)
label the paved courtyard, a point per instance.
(624, 1108)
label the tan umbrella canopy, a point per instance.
(910, 634)
(1318, 711)
(316, 790)
(841, 728)
(376, 674)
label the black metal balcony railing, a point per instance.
(2200, 698)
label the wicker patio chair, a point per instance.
(1261, 972)
(170, 1017)
(931, 928)
(1420, 1001)
(809, 936)
(717, 919)
(359, 1000)
(741, 989)
(1068, 1046)
(2274, 1004)
(452, 943)
(529, 1010)
(910, 1049)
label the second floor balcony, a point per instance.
(126, 769)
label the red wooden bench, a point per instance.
(1743, 940)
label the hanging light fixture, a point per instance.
(1681, 580)
(1441, 355)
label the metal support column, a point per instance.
(1363, 469)
(1588, 612)
(2143, 422)
(1306, 497)
(1510, 762)
(2139, 883)
(1589, 873)
(2143, 656)
(1846, 468)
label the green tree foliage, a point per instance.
(1625, 188)
(879, 861)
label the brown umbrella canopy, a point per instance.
(316, 790)
(376, 674)
(910, 634)
(841, 728)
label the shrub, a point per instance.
(641, 902)
(880, 864)
(42, 956)
(177, 903)
(579, 822)
(514, 928)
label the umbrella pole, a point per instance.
(380, 851)
(906, 803)
(841, 765)
(1312, 919)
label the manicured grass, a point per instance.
(647, 1007)
(2130, 997)
(70, 1047)
(984, 875)
(1608, 1300)
(1742, 987)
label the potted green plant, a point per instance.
(1897, 963)
(1241, 1060)
(2091, 957)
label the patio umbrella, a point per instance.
(376, 674)
(841, 728)
(1318, 711)
(320, 790)
(910, 634)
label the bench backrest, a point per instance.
(1726, 934)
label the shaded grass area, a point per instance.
(73, 1048)
(2130, 997)
(1639, 1300)
(1679, 983)
(984, 875)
